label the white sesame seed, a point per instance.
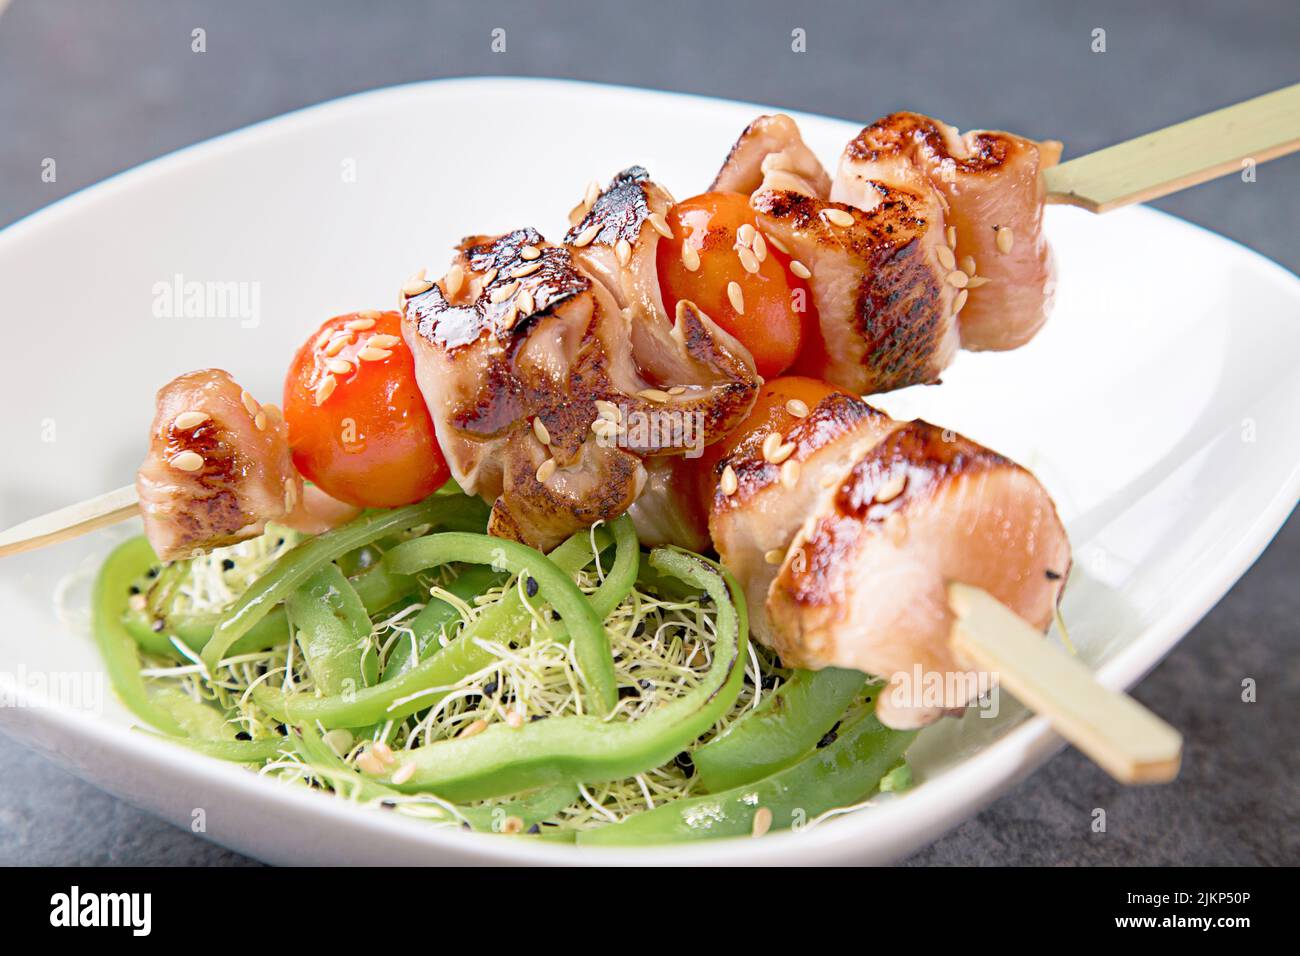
(511, 317)
(359, 325)
(891, 489)
(369, 354)
(528, 253)
(187, 420)
(325, 389)
(477, 727)
(337, 344)
(797, 407)
(545, 470)
(187, 461)
(416, 287)
(780, 246)
(623, 249)
(747, 259)
(525, 302)
(946, 258)
(488, 277)
(838, 217)
(968, 265)
(592, 193)
(762, 821)
(1006, 238)
(338, 366)
(736, 296)
(525, 270)
(729, 482)
(501, 293)
(290, 494)
(690, 257)
(959, 303)
(745, 234)
(540, 430)
(250, 403)
(260, 420)
(677, 390)
(587, 235)
(608, 410)
(660, 225)
(770, 444)
(759, 245)
(799, 269)
(383, 341)
(323, 338)
(775, 556)
(977, 281)
(654, 395)
(604, 429)
(782, 452)
(790, 474)
(403, 773)
(453, 280)
(952, 237)
(958, 278)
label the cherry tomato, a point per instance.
(367, 438)
(769, 414)
(775, 302)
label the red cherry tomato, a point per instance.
(358, 425)
(774, 302)
(770, 414)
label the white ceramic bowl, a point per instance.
(1158, 406)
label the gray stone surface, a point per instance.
(103, 86)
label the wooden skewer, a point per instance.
(1180, 156)
(1125, 739)
(70, 522)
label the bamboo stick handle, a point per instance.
(1180, 156)
(70, 522)
(1125, 739)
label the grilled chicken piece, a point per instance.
(218, 466)
(847, 564)
(885, 307)
(993, 185)
(544, 397)
(771, 152)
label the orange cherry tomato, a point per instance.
(367, 438)
(774, 302)
(770, 413)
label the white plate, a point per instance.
(1158, 406)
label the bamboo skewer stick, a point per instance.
(1111, 728)
(70, 522)
(1180, 156)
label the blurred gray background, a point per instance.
(103, 85)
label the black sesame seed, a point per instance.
(555, 615)
(535, 828)
(284, 731)
(646, 684)
(684, 761)
(530, 586)
(536, 717)
(466, 826)
(490, 688)
(151, 573)
(639, 629)
(625, 692)
(133, 590)
(388, 804)
(1052, 575)
(227, 564)
(829, 739)
(769, 681)
(243, 735)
